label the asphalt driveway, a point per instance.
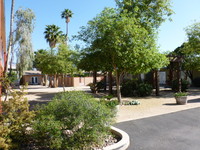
(174, 131)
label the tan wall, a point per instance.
(28, 79)
(77, 81)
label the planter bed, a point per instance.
(122, 144)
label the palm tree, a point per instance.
(52, 35)
(66, 14)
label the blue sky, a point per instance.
(171, 34)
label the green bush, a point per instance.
(179, 94)
(129, 88)
(96, 87)
(12, 77)
(109, 103)
(184, 85)
(15, 120)
(108, 97)
(144, 89)
(133, 102)
(135, 88)
(73, 120)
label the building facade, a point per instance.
(2, 43)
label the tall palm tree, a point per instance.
(66, 14)
(52, 35)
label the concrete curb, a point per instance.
(123, 144)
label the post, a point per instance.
(179, 76)
(105, 81)
(157, 82)
(110, 82)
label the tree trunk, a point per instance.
(110, 82)
(11, 59)
(45, 79)
(118, 87)
(190, 75)
(63, 82)
(95, 82)
(50, 81)
(10, 42)
(66, 32)
(42, 80)
(105, 81)
(179, 77)
(157, 83)
(55, 81)
(154, 78)
(94, 77)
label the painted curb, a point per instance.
(123, 144)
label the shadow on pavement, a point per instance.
(197, 100)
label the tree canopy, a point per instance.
(24, 19)
(127, 44)
(190, 50)
(150, 13)
(54, 62)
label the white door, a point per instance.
(162, 77)
(34, 80)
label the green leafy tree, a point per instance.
(87, 64)
(55, 62)
(190, 50)
(193, 34)
(53, 36)
(149, 13)
(129, 45)
(25, 19)
(64, 63)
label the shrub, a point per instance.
(129, 88)
(108, 97)
(144, 89)
(184, 85)
(12, 77)
(96, 87)
(110, 103)
(14, 121)
(73, 120)
(136, 88)
(178, 94)
(133, 102)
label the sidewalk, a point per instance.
(153, 106)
